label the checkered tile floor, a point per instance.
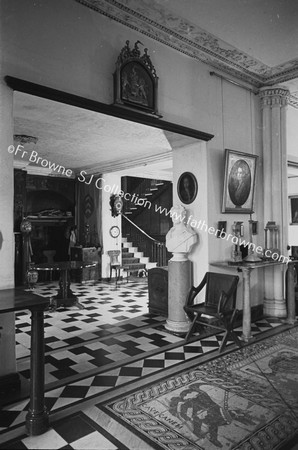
(110, 343)
(104, 306)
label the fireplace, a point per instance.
(49, 204)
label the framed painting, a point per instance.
(187, 188)
(239, 182)
(293, 208)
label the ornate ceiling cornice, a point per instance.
(158, 23)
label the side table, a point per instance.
(11, 300)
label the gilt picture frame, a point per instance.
(239, 182)
(293, 209)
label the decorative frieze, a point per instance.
(155, 21)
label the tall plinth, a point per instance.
(179, 240)
(179, 286)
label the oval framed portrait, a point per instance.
(187, 188)
(239, 182)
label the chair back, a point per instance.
(218, 282)
(114, 254)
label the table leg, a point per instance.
(291, 307)
(65, 295)
(246, 321)
(37, 419)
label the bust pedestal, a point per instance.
(179, 240)
(179, 286)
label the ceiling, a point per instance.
(254, 42)
(89, 140)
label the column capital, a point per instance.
(274, 96)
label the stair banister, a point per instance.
(153, 248)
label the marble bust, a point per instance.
(180, 238)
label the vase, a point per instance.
(31, 276)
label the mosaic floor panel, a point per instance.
(247, 399)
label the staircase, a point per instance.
(133, 260)
(145, 193)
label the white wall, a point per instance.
(292, 133)
(292, 147)
(111, 184)
(66, 46)
(193, 158)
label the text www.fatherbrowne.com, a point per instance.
(200, 225)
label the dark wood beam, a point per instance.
(111, 110)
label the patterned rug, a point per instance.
(247, 399)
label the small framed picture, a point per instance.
(293, 207)
(239, 182)
(221, 227)
(187, 188)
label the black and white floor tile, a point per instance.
(111, 343)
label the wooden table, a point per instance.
(12, 300)
(246, 268)
(65, 296)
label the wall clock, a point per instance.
(116, 205)
(114, 231)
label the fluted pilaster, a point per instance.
(274, 101)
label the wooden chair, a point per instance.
(49, 254)
(219, 308)
(115, 263)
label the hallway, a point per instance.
(97, 355)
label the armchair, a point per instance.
(219, 308)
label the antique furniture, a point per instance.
(219, 308)
(65, 296)
(11, 300)
(49, 254)
(158, 290)
(246, 268)
(292, 291)
(86, 255)
(115, 264)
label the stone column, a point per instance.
(274, 103)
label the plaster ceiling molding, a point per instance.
(155, 21)
(293, 100)
(123, 164)
(158, 24)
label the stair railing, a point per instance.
(155, 250)
(147, 190)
